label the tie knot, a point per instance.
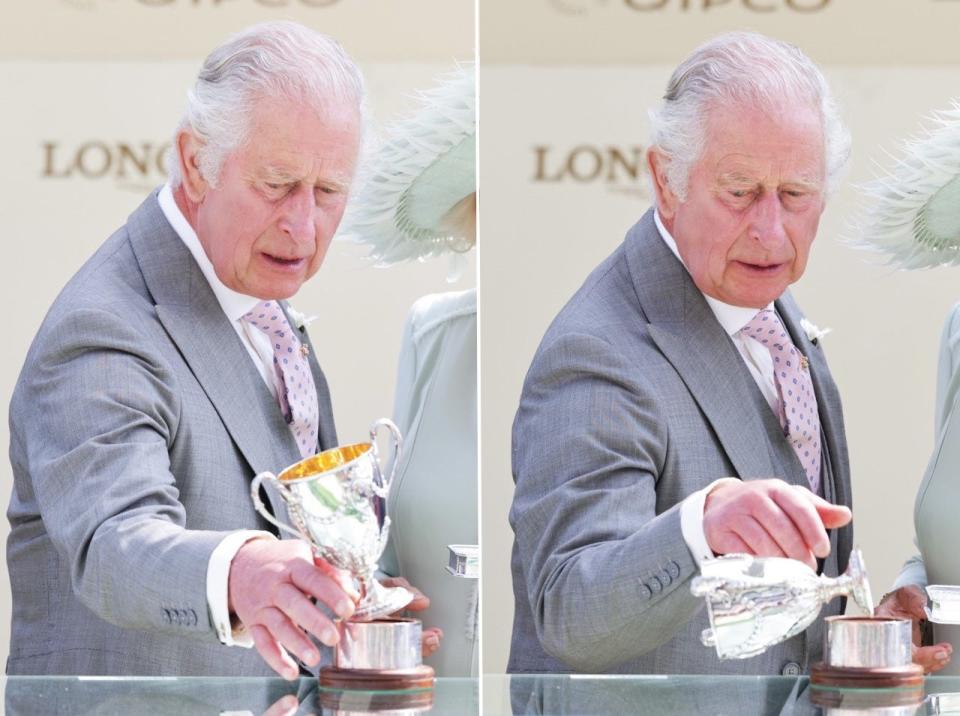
(265, 315)
(268, 317)
(766, 328)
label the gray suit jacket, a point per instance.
(136, 426)
(636, 398)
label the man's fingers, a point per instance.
(783, 530)
(304, 613)
(274, 654)
(765, 540)
(805, 518)
(756, 537)
(343, 578)
(831, 515)
(289, 635)
(932, 658)
(310, 580)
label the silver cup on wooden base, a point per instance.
(337, 502)
(867, 657)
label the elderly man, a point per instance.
(167, 374)
(681, 361)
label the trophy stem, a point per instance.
(379, 601)
(832, 587)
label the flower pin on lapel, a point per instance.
(814, 334)
(300, 320)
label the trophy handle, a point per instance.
(262, 509)
(397, 447)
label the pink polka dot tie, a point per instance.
(296, 391)
(798, 413)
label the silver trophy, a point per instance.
(756, 602)
(337, 502)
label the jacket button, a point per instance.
(673, 569)
(791, 668)
(655, 585)
(665, 578)
(645, 591)
(166, 616)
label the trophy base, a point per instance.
(849, 677)
(867, 689)
(380, 655)
(867, 662)
(419, 678)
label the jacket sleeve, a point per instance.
(96, 414)
(607, 575)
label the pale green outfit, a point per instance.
(938, 500)
(433, 500)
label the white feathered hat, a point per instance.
(913, 213)
(424, 168)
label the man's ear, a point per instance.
(667, 200)
(195, 186)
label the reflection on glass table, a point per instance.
(176, 696)
(727, 695)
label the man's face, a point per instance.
(753, 203)
(267, 224)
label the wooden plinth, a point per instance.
(836, 686)
(373, 701)
(419, 677)
(847, 677)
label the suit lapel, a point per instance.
(195, 322)
(689, 336)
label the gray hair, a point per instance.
(742, 67)
(272, 59)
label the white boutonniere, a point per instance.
(300, 320)
(814, 333)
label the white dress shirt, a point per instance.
(235, 306)
(760, 364)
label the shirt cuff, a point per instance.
(218, 575)
(691, 521)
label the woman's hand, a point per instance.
(909, 603)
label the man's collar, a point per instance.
(731, 318)
(235, 305)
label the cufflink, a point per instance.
(304, 350)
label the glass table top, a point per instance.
(180, 696)
(502, 695)
(726, 695)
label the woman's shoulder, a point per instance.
(432, 312)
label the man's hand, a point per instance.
(430, 638)
(770, 518)
(908, 603)
(270, 587)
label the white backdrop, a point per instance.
(81, 140)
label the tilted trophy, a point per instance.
(337, 502)
(756, 602)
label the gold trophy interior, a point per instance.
(337, 502)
